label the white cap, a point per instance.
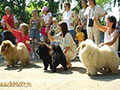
(54, 19)
(44, 8)
(7, 7)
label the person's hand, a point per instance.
(102, 44)
(71, 24)
(81, 25)
(94, 19)
(5, 22)
(46, 29)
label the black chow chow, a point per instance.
(52, 55)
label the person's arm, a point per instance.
(30, 23)
(84, 23)
(100, 27)
(103, 15)
(67, 48)
(38, 22)
(8, 26)
(113, 41)
(2, 23)
(43, 22)
(75, 16)
(49, 36)
(50, 20)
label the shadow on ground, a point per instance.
(19, 68)
(106, 77)
(69, 71)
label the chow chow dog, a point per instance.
(13, 54)
(97, 58)
(51, 55)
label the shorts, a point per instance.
(34, 33)
(43, 31)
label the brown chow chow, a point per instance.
(13, 54)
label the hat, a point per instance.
(44, 8)
(34, 10)
(7, 7)
(54, 19)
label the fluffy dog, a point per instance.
(13, 54)
(52, 55)
(96, 58)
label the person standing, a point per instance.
(46, 21)
(12, 21)
(67, 17)
(34, 30)
(82, 18)
(93, 11)
(54, 27)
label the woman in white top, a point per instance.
(66, 42)
(68, 16)
(111, 34)
(46, 21)
(82, 18)
(93, 11)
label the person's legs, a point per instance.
(97, 36)
(90, 33)
(38, 41)
(33, 44)
(37, 36)
(2, 34)
(69, 56)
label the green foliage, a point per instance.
(102, 2)
(22, 9)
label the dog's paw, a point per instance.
(91, 74)
(7, 65)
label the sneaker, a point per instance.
(33, 55)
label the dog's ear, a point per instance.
(81, 46)
(5, 46)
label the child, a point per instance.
(54, 27)
(21, 35)
(79, 35)
(111, 33)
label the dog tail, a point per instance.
(22, 45)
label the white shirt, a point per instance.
(96, 11)
(67, 17)
(46, 18)
(66, 41)
(109, 38)
(81, 16)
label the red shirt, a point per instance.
(20, 38)
(10, 20)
